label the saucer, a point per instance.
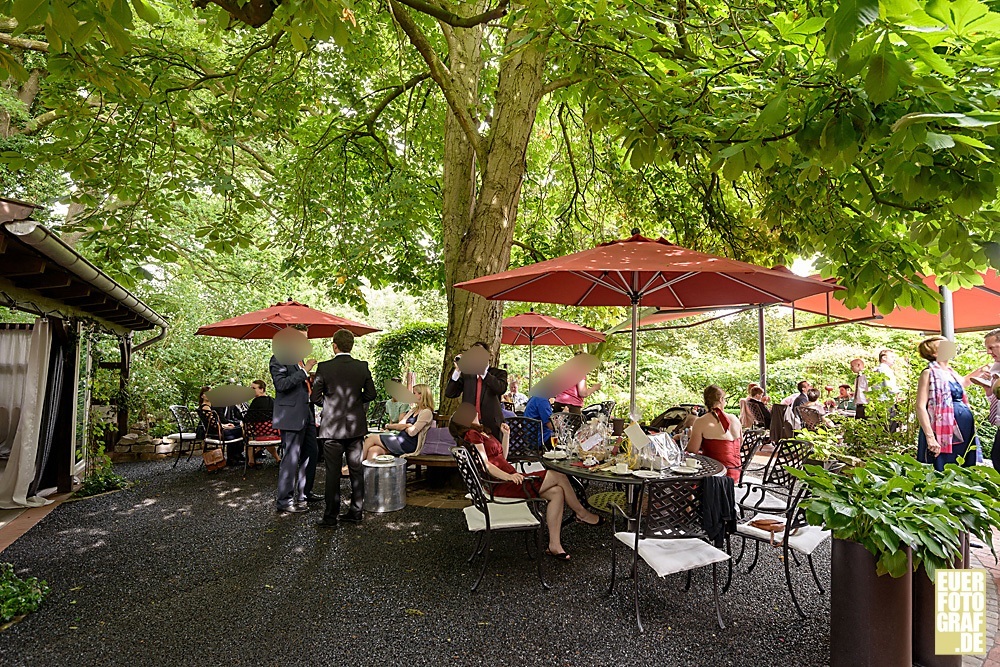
(384, 458)
(684, 470)
(555, 455)
(646, 474)
(626, 472)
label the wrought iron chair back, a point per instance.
(670, 509)
(566, 424)
(210, 420)
(376, 413)
(788, 453)
(257, 425)
(525, 439)
(761, 414)
(811, 417)
(471, 467)
(186, 421)
(603, 408)
(752, 440)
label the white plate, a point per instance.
(684, 470)
(646, 474)
(384, 458)
(627, 472)
(556, 455)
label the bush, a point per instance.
(101, 476)
(19, 596)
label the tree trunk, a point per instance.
(478, 240)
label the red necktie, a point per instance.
(479, 396)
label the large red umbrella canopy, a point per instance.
(976, 309)
(533, 329)
(263, 324)
(639, 271)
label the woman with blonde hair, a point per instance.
(716, 434)
(947, 427)
(411, 424)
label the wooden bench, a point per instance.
(430, 461)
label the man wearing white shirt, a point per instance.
(886, 362)
(482, 390)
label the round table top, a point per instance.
(709, 467)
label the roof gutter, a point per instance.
(48, 244)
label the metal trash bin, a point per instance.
(385, 485)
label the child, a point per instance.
(860, 387)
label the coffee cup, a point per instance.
(621, 468)
(691, 462)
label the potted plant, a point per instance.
(888, 518)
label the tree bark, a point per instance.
(477, 240)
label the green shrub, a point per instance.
(101, 476)
(19, 596)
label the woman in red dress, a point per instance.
(716, 434)
(548, 484)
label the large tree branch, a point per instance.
(394, 92)
(10, 25)
(441, 75)
(453, 19)
(555, 85)
(20, 43)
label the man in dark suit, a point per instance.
(293, 416)
(345, 387)
(483, 391)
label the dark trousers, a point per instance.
(234, 450)
(859, 411)
(333, 452)
(293, 475)
(995, 453)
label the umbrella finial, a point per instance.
(635, 231)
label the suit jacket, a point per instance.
(494, 387)
(345, 388)
(292, 410)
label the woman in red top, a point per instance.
(550, 485)
(717, 434)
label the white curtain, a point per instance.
(14, 346)
(20, 470)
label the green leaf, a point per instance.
(927, 54)
(30, 12)
(971, 141)
(882, 79)
(850, 17)
(146, 12)
(960, 119)
(775, 112)
(939, 141)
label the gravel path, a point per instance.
(186, 568)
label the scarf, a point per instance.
(942, 411)
(721, 416)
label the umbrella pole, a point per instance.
(947, 314)
(635, 350)
(531, 349)
(760, 348)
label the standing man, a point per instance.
(483, 391)
(860, 387)
(293, 416)
(886, 363)
(345, 387)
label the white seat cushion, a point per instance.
(499, 499)
(674, 555)
(759, 499)
(502, 515)
(214, 441)
(183, 437)
(266, 442)
(805, 540)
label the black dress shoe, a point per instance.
(314, 497)
(326, 523)
(292, 509)
(350, 517)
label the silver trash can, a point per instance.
(385, 485)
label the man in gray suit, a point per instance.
(345, 387)
(293, 416)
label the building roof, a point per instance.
(41, 274)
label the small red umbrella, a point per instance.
(263, 324)
(642, 272)
(533, 329)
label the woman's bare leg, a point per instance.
(553, 516)
(560, 480)
(376, 450)
(274, 452)
(370, 441)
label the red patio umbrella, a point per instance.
(975, 309)
(639, 271)
(263, 324)
(533, 329)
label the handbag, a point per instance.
(214, 459)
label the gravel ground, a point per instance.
(186, 568)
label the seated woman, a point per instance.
(411, 424)
(716, 434)
(553, 486)
(262, 408)
(814, 403)
(229, 431)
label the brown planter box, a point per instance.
(923, 618)
(871, 617)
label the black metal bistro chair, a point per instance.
(751, 442)
(791, 533)
(774, 492)
(259, 433)
(487, 516)
(376, 414)
(215, 435)
(597, 409)
(187, 431)
(525, 441)
(667, 534)
(565, 425)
